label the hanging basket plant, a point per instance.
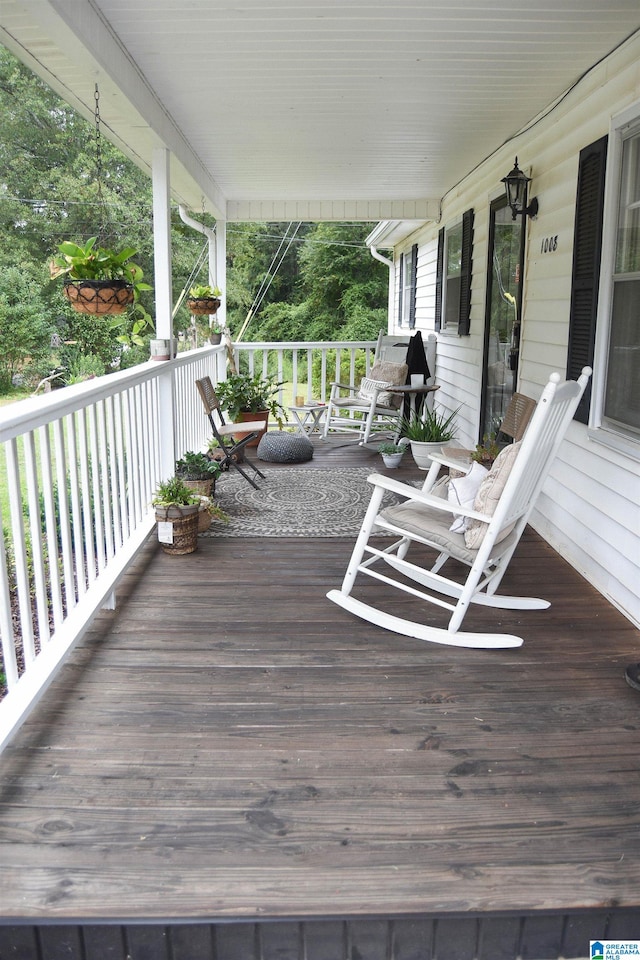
(97, 280)
(203, 300)
(99, 296)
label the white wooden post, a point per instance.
(220, 268)
(162, 243)
(163, 297)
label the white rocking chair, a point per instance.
(368, 409)
(493, 528)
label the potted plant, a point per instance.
(247, 397)
(487, 451)
(427, 433)
(203, 299)
(177, 510)
(99, 280)
(392, 453)
(198, 472)
(208, 511)
(215, 333)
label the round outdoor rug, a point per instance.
(294, 502)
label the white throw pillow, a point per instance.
(463, 490)
(488, 495)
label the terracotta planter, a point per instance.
(204, 519)
(99, 297)
(184, 528)
(262, 416)
(203, 305)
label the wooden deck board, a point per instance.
(228, 744)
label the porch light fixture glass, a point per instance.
(515, 185)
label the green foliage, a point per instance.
(241, 393)
(197, 466)
(430, 427)
(173, 492)
(205, 292)
(89, 262)
(25, 330)
(391, 448)
(83, 334)
(85, 367)
(488, 450)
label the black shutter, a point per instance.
(464, 317)
(587, 250)
(400, 288)
(439, 280)
(414, 281)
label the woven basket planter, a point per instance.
(184, 521)
(204, 488)
(202, 305)
(99, 297)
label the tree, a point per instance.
(25, 331)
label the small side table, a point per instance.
(308, 417)
(414, 392)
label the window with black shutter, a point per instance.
(587, 248)
(453, 276)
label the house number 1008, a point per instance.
(549, 244)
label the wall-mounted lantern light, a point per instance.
(515, 185)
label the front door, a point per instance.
(503, 314)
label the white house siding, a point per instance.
(590, 506)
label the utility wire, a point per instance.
(269, 277)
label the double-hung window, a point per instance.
(407, 287)
(453, 276)
(617, 356)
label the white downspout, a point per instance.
(391, 298)
(215, 267)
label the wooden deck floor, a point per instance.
(230, 746)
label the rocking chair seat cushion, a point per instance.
(433, 525)
(278, 446)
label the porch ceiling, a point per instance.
(315, 109)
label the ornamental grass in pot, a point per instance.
(427, 433)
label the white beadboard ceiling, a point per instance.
(346, 109)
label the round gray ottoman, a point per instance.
(278, 446)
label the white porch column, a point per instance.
(162, 243)
(219, 269)
(163, 299)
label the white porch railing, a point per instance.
(308, 368)
(82, 464)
